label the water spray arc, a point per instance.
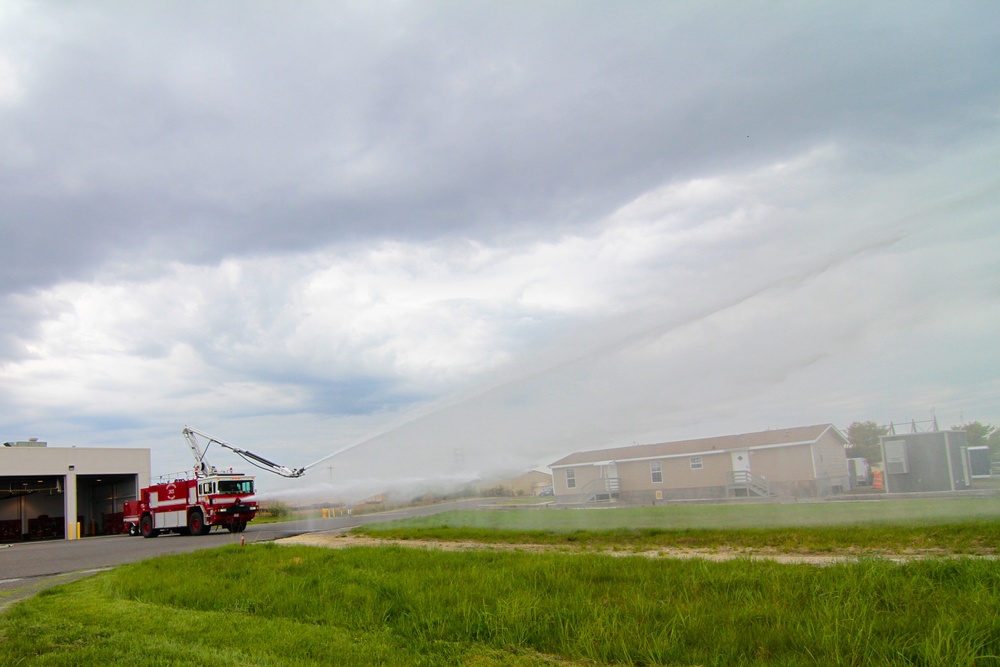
(647, 331)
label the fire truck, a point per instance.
(192, 504)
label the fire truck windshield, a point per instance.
(236, 486)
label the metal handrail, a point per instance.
(596, 487)
(744, 479)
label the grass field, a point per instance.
(961, 525)
(273, 605)
(725, 515)
(268, 604)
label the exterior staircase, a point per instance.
(603, 490)
(743, 483)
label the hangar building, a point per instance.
(66, 492)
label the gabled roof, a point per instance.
(788, 437)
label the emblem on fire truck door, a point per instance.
(171, 491)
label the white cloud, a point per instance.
(11, 88)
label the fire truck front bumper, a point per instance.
(238, 511)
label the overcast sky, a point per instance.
(469, 236)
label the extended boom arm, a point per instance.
(191, 434)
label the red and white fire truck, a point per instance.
(193, 504)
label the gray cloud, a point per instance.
(214, 131)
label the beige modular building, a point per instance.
(66, 492)
(806, 461)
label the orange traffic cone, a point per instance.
(877, 480)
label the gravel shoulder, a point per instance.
(344, 540)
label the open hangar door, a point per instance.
(32, 507)
(35, 507)
(100, 502)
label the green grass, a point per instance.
(971, 538)
(33, 587)
(273, 605)
(908, 512)
(967, 526)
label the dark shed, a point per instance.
(934, 461)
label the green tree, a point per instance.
(864, 441)
(981, 434)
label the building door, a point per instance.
(741, 462)
(609, 470)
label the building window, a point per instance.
(570, 478)
(697, 463)
(895, 457)
(656, 472)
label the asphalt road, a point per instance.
(30, 566)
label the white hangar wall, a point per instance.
(45, 492)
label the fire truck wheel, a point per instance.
(196, 523)
(146, 527)
(240, 526)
